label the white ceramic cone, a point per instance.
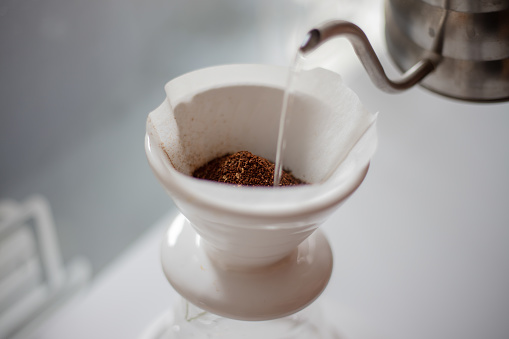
(208, 113)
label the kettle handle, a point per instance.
(367, 55)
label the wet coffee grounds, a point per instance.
(243, 168)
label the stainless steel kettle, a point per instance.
(457, 48)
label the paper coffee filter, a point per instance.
(330, 136)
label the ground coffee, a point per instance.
(243, 168)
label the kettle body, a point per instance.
(468, 39)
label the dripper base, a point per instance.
(263, 293)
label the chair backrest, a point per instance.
(31, 271)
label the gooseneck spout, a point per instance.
(367, 55)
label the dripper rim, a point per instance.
(161, 165)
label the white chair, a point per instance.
(33, 280)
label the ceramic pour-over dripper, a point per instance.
(250, 253)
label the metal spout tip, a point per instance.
(311, 41)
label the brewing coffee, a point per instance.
(243, 168)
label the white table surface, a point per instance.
(421, 249)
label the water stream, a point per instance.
(293, 75)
